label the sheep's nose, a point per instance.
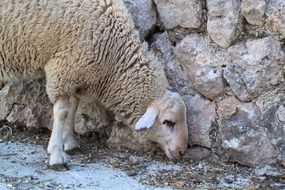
(178, 152)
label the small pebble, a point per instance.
(131, 173)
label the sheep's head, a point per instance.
(164, 122)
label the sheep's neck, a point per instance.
(133, 89)
(125, 82)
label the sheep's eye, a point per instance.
(169, 123)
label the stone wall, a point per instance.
(226, 58)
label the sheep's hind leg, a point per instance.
(58, 158)
(69, 141)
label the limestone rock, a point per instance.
(161, 46)
(177, 78)
(275, 21)
(203, 65)
(253, 11)
(255, 67)
(183, 13)
(243, 140)
(92, 117)
(144, 15)
(271, 105)
(26, 104)
(223, 21)
(201, 114)
(197, 153)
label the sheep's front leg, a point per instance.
(58, 158)
(69, 142)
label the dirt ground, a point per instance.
(23, 165)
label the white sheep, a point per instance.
(89, 49)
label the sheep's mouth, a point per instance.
(169, 155)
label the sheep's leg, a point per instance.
(58, 158)
(69, 142)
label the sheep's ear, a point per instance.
(147, 120)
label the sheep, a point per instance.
(89, 50)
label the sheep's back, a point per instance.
(96, 38)
(36, 31)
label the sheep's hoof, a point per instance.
(74, 151)
(59, 167)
